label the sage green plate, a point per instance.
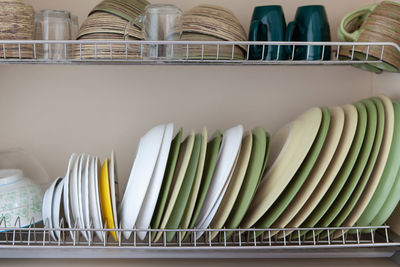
(373, 155)
(393, 197)
(344, 172)
(281, 204)
(166, 184)
(213, 148)
(259, 155)
(345, 194)
(184, 192)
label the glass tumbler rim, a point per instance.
(163, 9)
(54, 13)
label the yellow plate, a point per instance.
(105, 199)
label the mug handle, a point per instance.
(289, 36)
(255, 50)
(361, 13)
(138, 21)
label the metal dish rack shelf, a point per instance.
(190, 52)
(36, 241)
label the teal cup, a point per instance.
(267, 24)
(310, 25)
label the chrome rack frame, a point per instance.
(105, 52)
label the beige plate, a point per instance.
(346, 139)
(318, 170)
(289, 147)
(180, 170)
(234, 186)
(378, 168)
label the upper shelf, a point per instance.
(194, 52)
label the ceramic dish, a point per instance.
(80, 174)
(167, 180)
(85, 196)
(290, 201)
(94, 197)
(66, 194)
(74, 195)
(349, 127)
(257, 165)
(179, 175)
(56, 214)
(289, 147)
(47, 206)
(344, 173)
(388, 181)
(385, 135)
(184, 193)
(234, 186)
(114, 186)
(139, 179)
(150, 200)
(227, 158)
(187, 215)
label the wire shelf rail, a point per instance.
(194, 52)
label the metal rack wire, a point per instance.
(210, 52)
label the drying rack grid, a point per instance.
(191, 52)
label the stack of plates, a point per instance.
(108, 21)
(331, 167)
(213, 23)
(16, 23)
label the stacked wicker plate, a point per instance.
(107, 21)
(213, 23)
(16, 23)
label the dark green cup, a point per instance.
(267, 24)
(310, 25)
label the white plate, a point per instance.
(47, 206)
(230, 147)
(94, 198)
(150, 201)
(85, 195)
(114, 188)
(56, 207)
(66, 197)
(139, 179)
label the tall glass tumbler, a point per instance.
(53, 25)
(159, 22)
(74, 27)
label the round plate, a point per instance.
(150, 200)
(94, 198)
(257, 165)
(66, 195)
(231, 142)
(289, 147)
(196, 184)
(184, 192)
(47, 206)
(139, 179)
(361, 168)
(386, 136)
(234, 186)
(114, 187)
(344, 172)
(179, 175)
(105, 199)
(57, 208)
(167, 180)
(349, 127)
(85, 196)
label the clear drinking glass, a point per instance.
(159, 22)
(53, 25)
(74, 27)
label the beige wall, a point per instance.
(54, 111)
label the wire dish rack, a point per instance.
(193, 52)
(38, 241)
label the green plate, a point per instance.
(387, 193)
(213, 148)
(345, 194)
(344, 172)
(167, 180)
(373, 155)
(259, 155)
(184, 192)
(281, 204)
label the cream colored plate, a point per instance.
(318, 170)
(378, 168)
(346, 139)
(179, 175)
(289, 147)
(234, 186)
